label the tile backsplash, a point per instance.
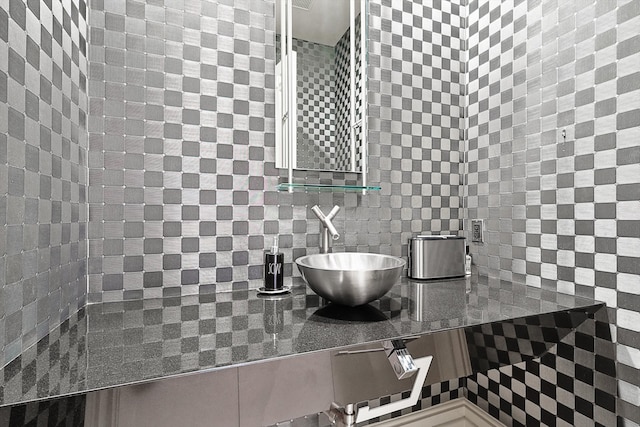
(182, 103)
(43, 168)
(183, 185)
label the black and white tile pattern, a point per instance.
(64, 412)
(343, 97)
(506, 343)
(183, 184)
(180, 152)
(573, 385)
(182, 127)
(415, 110)
(560, 209)
(431, 396)
(43, 168)
(317, 82)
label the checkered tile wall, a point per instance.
(182, 119)
(574, 384)
(560, 206)
(43, 173)
(181, 138)
(415, 111)
(317, 110)
(182, 145)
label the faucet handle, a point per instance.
(325, 221)
(316, 210)
(333, 212)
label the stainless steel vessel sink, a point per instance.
(350, 278)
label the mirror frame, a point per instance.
(286, 123)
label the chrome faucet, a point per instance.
(400, 359)
(326, 228)
(404, 366)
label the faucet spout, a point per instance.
(327, 229)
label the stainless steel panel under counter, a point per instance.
(110, 345)
(436, 257)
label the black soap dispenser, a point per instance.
(273, 269)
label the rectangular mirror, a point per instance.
(319, 45)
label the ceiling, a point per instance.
(324, 22)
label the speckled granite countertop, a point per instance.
(113, 344)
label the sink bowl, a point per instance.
(350, 278)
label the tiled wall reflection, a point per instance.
(323, 99)
(182, 145)
(560, 206)
(64, 412)
(43, 172)
(317, 103)
(574, 384)
(343, 95)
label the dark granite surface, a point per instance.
(112, 344)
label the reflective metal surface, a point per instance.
(350, 278)
(436, 257)
(339, 380)
(399, 358)
(361, 373)
(404, 367)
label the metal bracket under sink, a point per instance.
(349, 414)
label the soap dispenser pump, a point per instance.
(273, 268)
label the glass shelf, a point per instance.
(326, 187)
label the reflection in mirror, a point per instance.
(322, 51)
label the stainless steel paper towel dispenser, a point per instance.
(436, 257)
